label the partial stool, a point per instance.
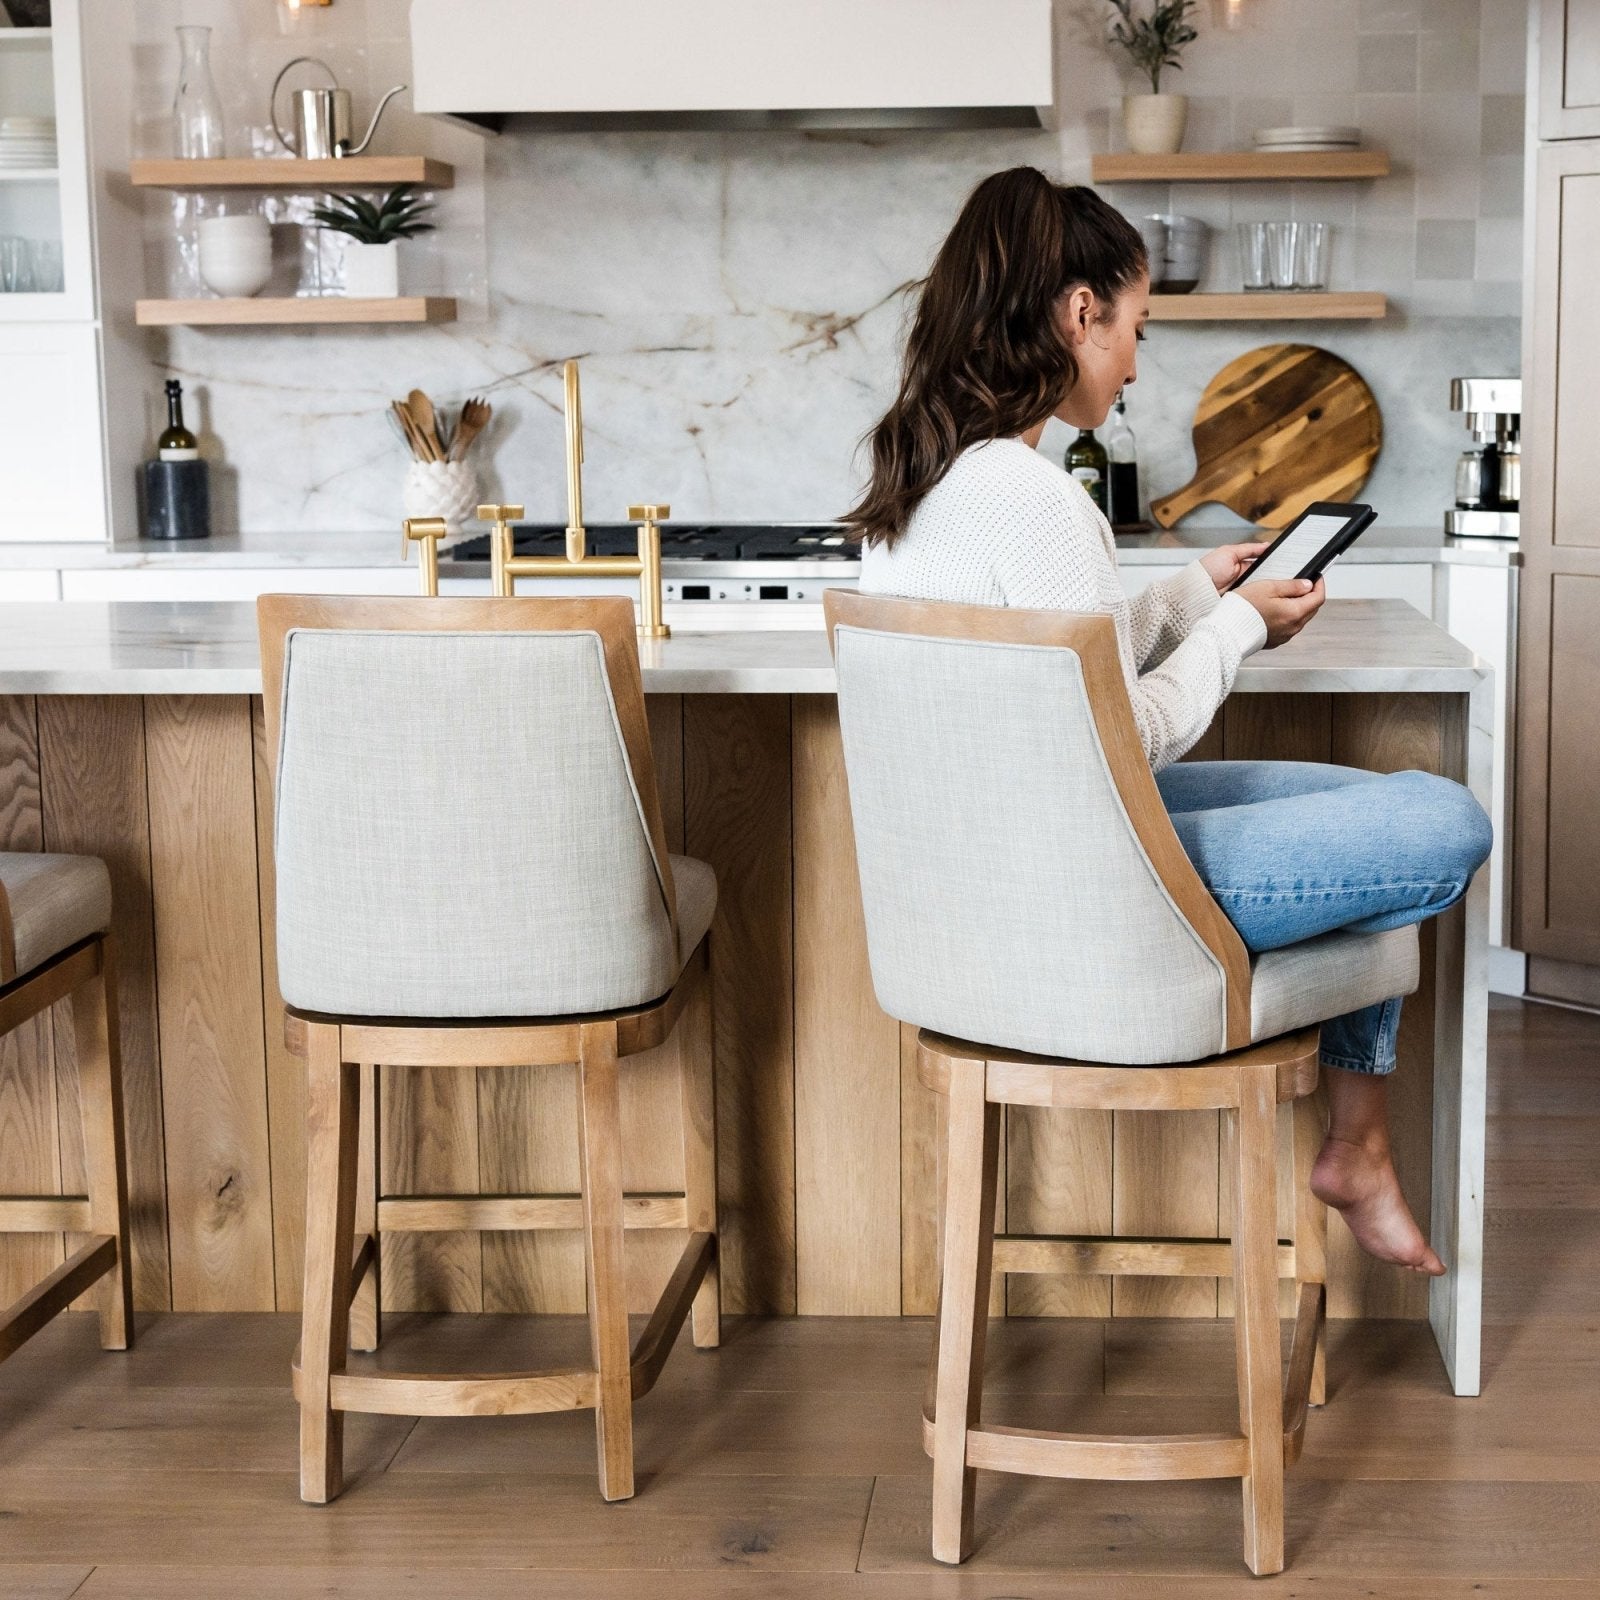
(472, 872)
(54, 913)
(1030, 909)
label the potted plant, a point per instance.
(1154, 122)
(373, 233)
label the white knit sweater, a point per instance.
(1004, 527)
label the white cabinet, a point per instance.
(29, 585)
(52, 459)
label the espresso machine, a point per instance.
(1489, 474)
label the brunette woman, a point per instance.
(1034, 309)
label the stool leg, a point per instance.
(366, 1314)
(94, 1026)
(698, 1088)
(331, 1128)
(973, 1146)
(1311, 1228)
(1256, 1331)
(600, 1137)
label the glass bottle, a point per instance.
(176, 442)
(1122, 479)
(196, 108)
(1086, 461)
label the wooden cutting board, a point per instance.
(1275, 430)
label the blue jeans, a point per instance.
(1291, 849)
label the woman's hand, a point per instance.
(1227, 561)
(1286, 605)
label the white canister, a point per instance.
(447, 489)
(235, 254)
(371, 271)
(1154, 123)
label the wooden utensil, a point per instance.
(475, 416)
(1281, 427)
(421, 408)
(408, 424)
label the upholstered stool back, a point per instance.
(459, 829)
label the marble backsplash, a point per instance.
(737, 298)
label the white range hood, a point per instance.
(736, 63)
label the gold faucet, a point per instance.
(425, 532)
(577, 563)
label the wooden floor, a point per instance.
(788, 1465)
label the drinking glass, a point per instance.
(1311, 256)
(1253, 259)
(45, 259)
(1283, 240)
(16, 266)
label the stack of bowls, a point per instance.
(27, 143)
(236, 254)
(1176, 247)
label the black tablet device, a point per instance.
(1322, 531)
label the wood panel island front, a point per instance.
(134, 732)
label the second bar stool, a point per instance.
(472, 872)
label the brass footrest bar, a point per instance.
(67, 1213)
(1153, 1258)
(448, 1213)
(56, 1292)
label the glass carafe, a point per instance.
(196, 108)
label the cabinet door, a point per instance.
(1567, 47)
(51, 462)
(1557, 831)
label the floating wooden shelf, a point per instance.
(284, 311)
(1268, 307)
(1240, 166)
(353, 172)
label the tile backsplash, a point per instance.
(738, 298)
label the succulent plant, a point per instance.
(395, 216)
(1156, 40)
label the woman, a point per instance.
(1033, 310)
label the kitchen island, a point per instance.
(133, 731)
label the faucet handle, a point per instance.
(426, 532)
(500, 513)
(649, 513)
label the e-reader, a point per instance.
(1304, 549)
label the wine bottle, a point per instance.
(1123, 475)
(1086, 461)
(176, 443)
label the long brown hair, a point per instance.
(986, 357)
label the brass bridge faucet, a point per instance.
(645, 566)
(425, 532)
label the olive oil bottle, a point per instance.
(1088, 463)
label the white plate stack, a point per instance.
(27, 143)
(1275, 141)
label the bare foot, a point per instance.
(1360, 1183)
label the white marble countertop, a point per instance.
(309, 550)
(201, 647)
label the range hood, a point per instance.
(736, 63)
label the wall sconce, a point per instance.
(303, 5)
(1227, 14)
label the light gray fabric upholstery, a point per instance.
(1007, 897)
(1321, 978)
(458, 831)
(55, 901)
(696, 885)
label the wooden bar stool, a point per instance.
(54, 913)
(548, 925)
(1030, 908)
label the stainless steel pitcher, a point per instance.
(323, 118)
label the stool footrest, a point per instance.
(56, 1292)
(67, 1213)
(511, 1213)
(1037, 1453)
(1097, 1255)
(404, 1394)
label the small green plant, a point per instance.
(395, 216)
(1154, 41)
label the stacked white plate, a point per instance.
(27, 142)
(1309, 137)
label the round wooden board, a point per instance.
(1275, 430)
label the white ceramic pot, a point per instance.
(235, 255)
(372, 272)
(1154, 123)
(447, 489)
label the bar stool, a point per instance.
(1030, 909)
(54, 913)
(548, 925)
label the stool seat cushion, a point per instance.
(696, 884)
(1328, 976)
(48, 902)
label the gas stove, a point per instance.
(726, 561)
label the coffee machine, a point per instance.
(1489, 474)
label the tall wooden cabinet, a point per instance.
(1557, 833)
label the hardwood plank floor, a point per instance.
(787, 1464)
